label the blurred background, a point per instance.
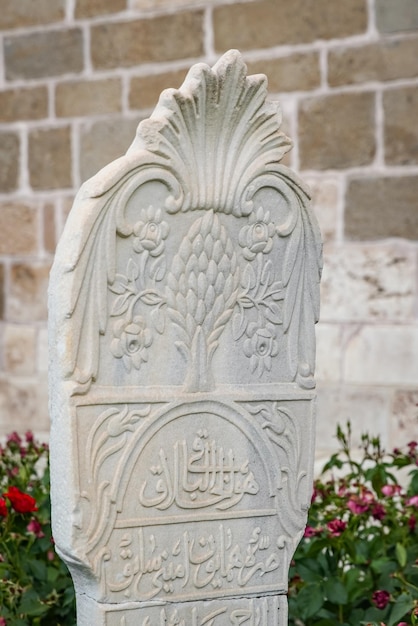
(76, 77)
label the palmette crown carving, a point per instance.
(213, 145)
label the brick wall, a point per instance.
(76, 76)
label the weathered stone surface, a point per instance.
(145, 90)
(49, 227)
(381, 353)
(365, 407)
(104, 141)
(122, 44)
(9, 160)
(18, 228)
(325, 198)
(404, 408)
(337, 131)
(401, 132)
(28, 13)
(382, 61)
(365, 282)
(26, 397)
(296, 72)
(91, 8)
(276, 22)
(2, 278)
(23, 104)
(377, 208)
(182, 361)
(328, 355)
(26, 300)
(169, 4)
(43, 54)
(19, 348)
(94, 97)
(50, 165)
(392, 17)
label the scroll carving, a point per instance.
(214, 145)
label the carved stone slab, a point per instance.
(183, 299)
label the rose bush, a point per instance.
(35, 586)
(357, 563)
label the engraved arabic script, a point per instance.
(205, 475)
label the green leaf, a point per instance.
(402, 606)
(309, 600)
(401, 555)
(335, 591)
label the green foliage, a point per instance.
(35, 585)
(357, 564)
(358, 561)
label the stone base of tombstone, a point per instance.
(183, 299)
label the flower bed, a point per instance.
(356, 565)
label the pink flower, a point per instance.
(390, 490)
(14, 438)
(29, 436)
(3, 621)
(310, 531)
(357, 505)
(411, 523)
(412, 501)
(402, 624)
(336, 527)
(381, 598)
(35, 527)
(412, 445)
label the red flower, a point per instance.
(21, 502)
(3, 621)
(310, 531)
(381, 598)
(411, 523)
(336, 527)
(378, 511)
(3, 509)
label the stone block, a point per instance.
(145, 90)
(382, 61)
(9, 161)
(381, 355)
(151, 40)
(23, 104)
(19, 349)
(365, 407)
(366, 283)
(404, 421)
(93, 8)
(392, 17)
(104, 141)
(95, 97)
(49, 228)
(142, 5)
(270, 23)
(296, 72)
(328, 352)
(26, 298)
(182, 361)
(381, 207)
(337, 131)
(400, 129)
(43, 54)
(325, 198)
(50, 161)
(18, 228)
(2, 290)
(22, 13)
(23, 401)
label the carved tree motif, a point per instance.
(201, 295)
(214, 144)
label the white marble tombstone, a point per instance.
(183, 299)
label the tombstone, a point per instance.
(183, 299)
